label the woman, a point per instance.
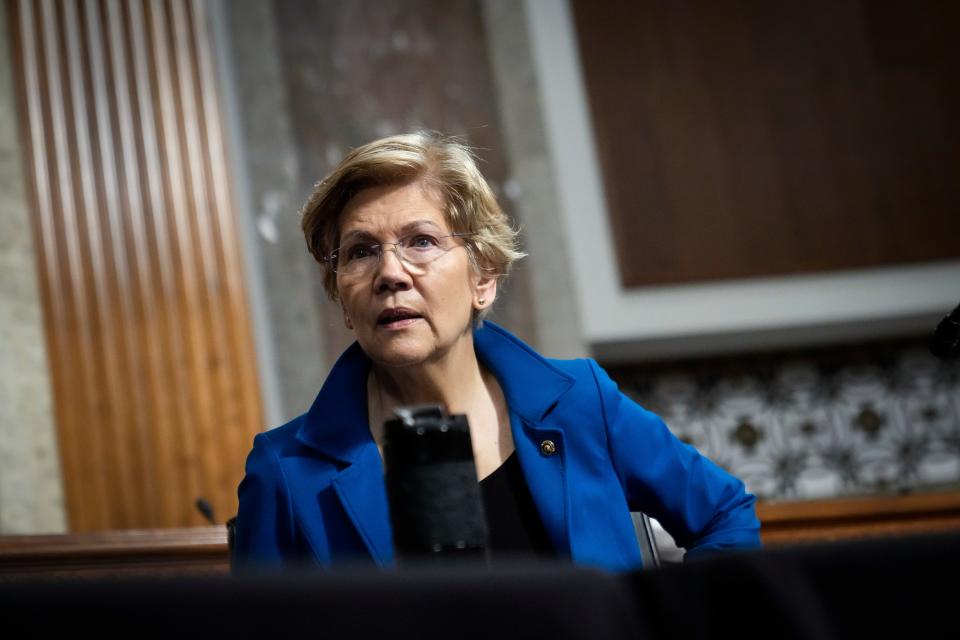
(414, 246)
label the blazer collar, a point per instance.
(531, 385)
(337, 422)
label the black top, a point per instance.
(515, 528)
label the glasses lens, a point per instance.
(421, 248)
(417, 249)
(356, 257)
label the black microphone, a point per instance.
(436, 508)
(203, 506)
(945, 341)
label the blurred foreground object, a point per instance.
(945, 342)
(435, 507)
(851, 589)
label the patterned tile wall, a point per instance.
(857, 420)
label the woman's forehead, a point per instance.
(392, 209)
(374, 229)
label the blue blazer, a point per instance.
(314, 487)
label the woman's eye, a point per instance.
(422, 242)
(359, 251)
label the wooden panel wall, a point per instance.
(155, 386)
(744, 139)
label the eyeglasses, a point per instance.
(415, 251)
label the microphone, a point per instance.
(436, 508)
(203, 506)
(945, 341)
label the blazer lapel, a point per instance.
(361, 490)
(546, 478)
(533, 387)
(337, 426)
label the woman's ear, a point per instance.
(347, 321)
(484, 291)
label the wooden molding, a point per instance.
(838, 519)
(203, 550)
(136, 552)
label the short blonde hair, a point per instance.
(444, 165)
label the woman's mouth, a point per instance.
(397, 318)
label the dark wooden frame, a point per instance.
(125, 553)
(849, 518)
(204, 551)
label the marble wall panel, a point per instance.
(356, 71)
(269, 190)
(852, 420)
(531, 189)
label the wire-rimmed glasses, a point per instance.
(415, 250)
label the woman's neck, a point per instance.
(455, 381)
(461, 386)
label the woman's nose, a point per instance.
(391, 274)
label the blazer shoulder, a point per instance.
(594, 387)
(587, 374)
(576, 368)
(281, 440)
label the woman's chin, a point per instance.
(400, 353)
(418, 345)
(396, 360)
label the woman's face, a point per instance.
(405, 315)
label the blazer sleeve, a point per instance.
(264, 533)
(702, 506)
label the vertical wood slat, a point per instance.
(165, 309)
(153, 457)
(104, 330)
(90, 500)
(184, 66)
(124, 271)
(34, 137)
(178, 234)
(151, 349)
(225, 223)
